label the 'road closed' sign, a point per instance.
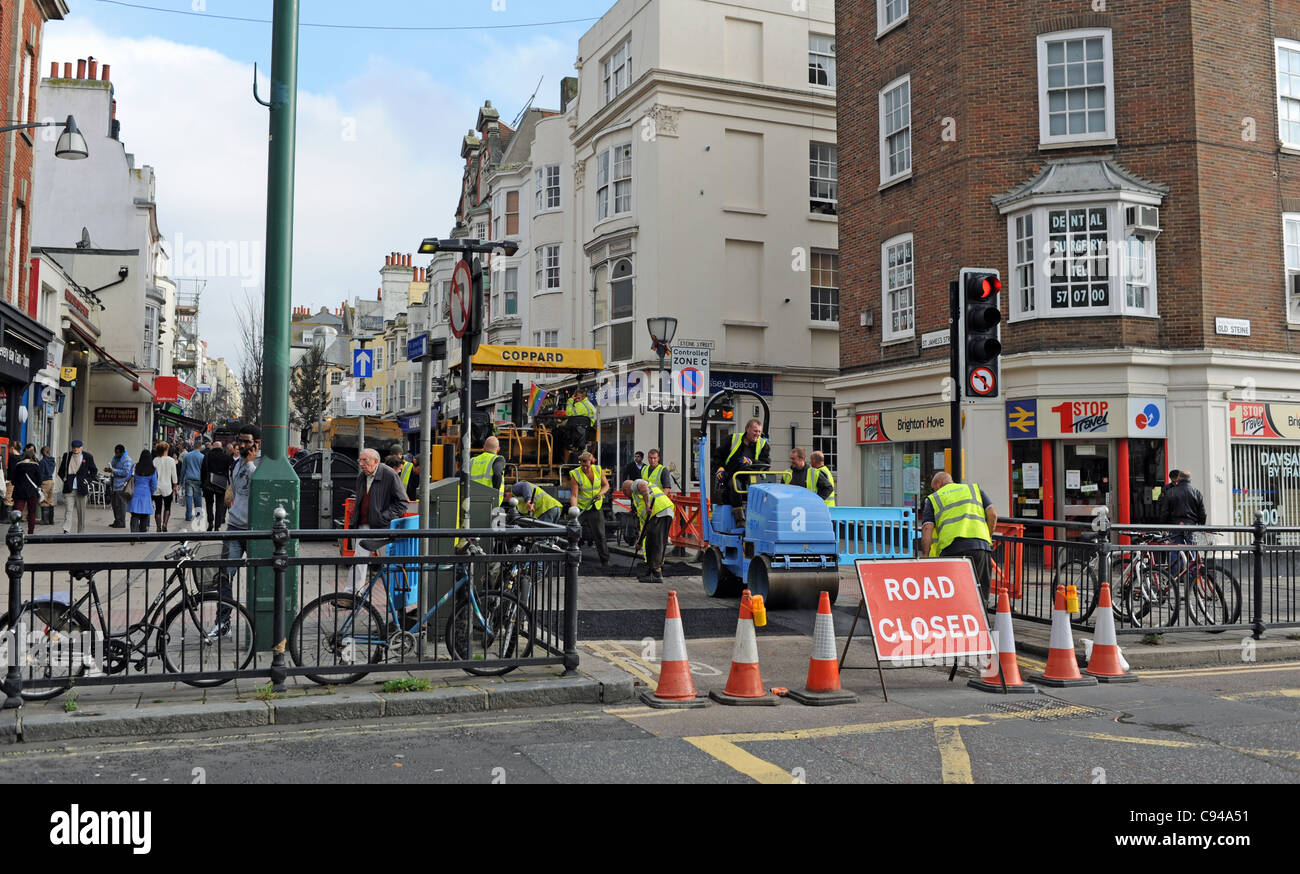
(924, 611)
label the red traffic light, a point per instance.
(990, 285)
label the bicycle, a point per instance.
(1208, 588)
(1139, 587)
(344, 628)
(193, 635)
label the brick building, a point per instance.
(1134, 173)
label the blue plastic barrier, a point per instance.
(873, 532)
(404, 546)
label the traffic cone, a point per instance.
(1004, 635)
(823, 686)
(1105, 664)
(745, 682)
(675, 688)
(1062, 665)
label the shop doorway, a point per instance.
(1085, 475)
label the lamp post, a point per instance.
(662, 329)
(71, 145)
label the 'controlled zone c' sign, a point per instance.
(924, 611)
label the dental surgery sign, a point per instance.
(1085, 416)
(924, 611)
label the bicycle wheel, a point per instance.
(51, 648)
(1206, 604)
(1152, 600)
(337, 629)
(1078, 573)
(1231, 590)
(207, 632)
(493, 627)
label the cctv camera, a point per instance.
(122, 271)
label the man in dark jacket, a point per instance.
(48, 466)
(747, 451)
(216, 463)
(380, 496)
(77, 470)
(1181, 504)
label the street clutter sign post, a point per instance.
(461, 298)
(923, 612)
(690, 366)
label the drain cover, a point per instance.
(1044, 708)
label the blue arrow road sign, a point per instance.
(363, 363)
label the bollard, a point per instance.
(14, 539)
(279, 564)
(572, 556)
(1257, 617)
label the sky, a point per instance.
(381, 114)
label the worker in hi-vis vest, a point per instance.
(747, 451)
(814, 479)
(588, 486)
(580, 419)
(488, 468)
(957, 521)
(654, 512)
(656, 474)
(537, 502)
(823, 481)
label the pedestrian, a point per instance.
(587, 493)
(1182, 505)
(654, 513)
(192, 481)
(27, 489)
(144, 479)
(48, 464)
(750, 450)
(237, 518)
(656, 474)
(489, 467)
(956, 521)
(77, 470)
(165, 465)
(12, 457)
(823, 483)
(119, 469)
(380, 496)
(632, 470)
(537, 502)
(215, 477)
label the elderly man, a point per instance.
(77, 470)
(654, 512)
(380, 496)
(955, 522)
(749, 451)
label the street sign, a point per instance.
(662, 402)
(363, 363)
(461, 297)
(924, 609)
(690, 369)
(693, 344)
(203, 389)
(361, 403)
(982, 381)
(417, 348)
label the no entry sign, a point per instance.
(924, 611)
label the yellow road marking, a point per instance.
(1267, 693)
(1212, 672)
(1146, 741)
(954, 762)
(630, 662)
(1033, 664)
(725, 751)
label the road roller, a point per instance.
(782, 546)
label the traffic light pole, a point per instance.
(466, 393)
(954, 355)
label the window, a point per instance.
(825, 274)
(890, 13)
(24, 103)
(1077, 243)
(1135, 273)
(1288, 93)
(392, 396)
(821, 60)
(336, 377)
(150, 350)
(550, 338)
(896, 130)
(512, 211)
(401, 395)
(897, 305)
(547, 186)
(823, 184)
(823, 440)
(512, 291)
(379, 358)
(620, 311)
(547, 259)
(617, 70)
(621, 158)
(417, 394)
(1024, 278)
(392, 351)
(482, 230)
(1291, 243)
(1075, 87)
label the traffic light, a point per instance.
(724, 411)
(980, 319)
(477, 302)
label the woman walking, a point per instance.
(27, 487)
(145, 481)
(165, 465)
(215, 477)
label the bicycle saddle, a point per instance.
(374, 544)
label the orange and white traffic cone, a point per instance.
(1062, 665)
(823, 686)
(675, 687)
(1105, 663)
(745, 682)
(1004, 667)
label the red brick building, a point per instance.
(1133, 171)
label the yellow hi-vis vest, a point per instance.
(788, 476)
(814, 473)
(581, 408)
(737, 439)
(661, 502)
(480, 470)
(407, 467)
(542, 501)
(588, 489)
(958, 512)
(654, 477)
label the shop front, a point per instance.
(1265, 446)
(899, 450)
(1068, 456)
(23, 345)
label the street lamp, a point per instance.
(662, 329)
(71, 145)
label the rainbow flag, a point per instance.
(535, 397)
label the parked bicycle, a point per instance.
(1142, 593)
(344, 629)
(1212, 593)
(189, 625)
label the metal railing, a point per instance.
(196, 616)
(1248, 582)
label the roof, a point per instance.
(1076, 176)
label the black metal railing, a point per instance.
(1208, 578)
(205, 608)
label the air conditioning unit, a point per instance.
(1142, 218)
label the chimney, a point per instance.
(94, 67)
(104, 76)
(81, 68)
(388, 260)
(54, 69)
(67, 69)
(113, 109)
